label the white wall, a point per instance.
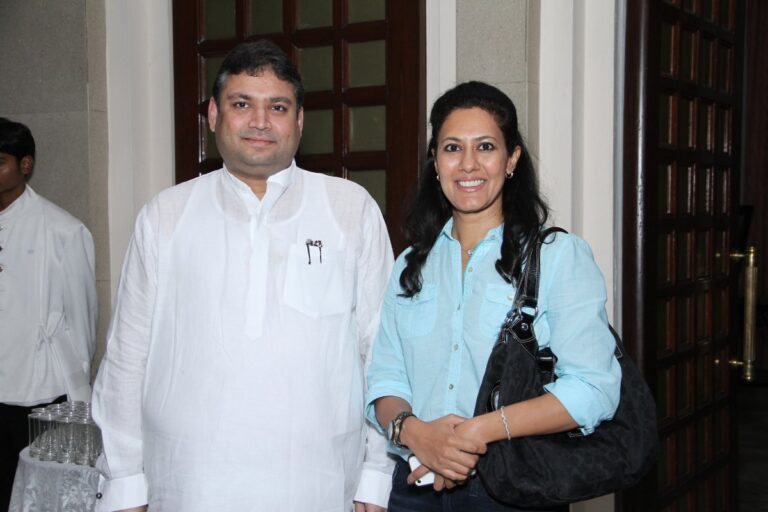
(441, 50)
(140, 113)
(574, 106)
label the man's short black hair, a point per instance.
(16, 139)
(255, 57)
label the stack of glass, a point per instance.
(64, 433)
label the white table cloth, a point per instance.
(53, 486)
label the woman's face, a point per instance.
(472, 161)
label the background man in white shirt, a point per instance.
(47, 301)
(234, 372)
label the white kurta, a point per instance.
(48, 303)
(234, 371)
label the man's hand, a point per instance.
(138, 509)
(368, 507)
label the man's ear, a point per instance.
(213, 114)
(27, 163)
(300, 120)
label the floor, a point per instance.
(753, 448)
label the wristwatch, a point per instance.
(395, 427)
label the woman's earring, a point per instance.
(510, 174)
(437, 176)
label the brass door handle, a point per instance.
(750, 312)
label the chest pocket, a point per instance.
(314, 287)
(496, 304)
(416, 316)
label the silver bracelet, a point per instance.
(504, 421)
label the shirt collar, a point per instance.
(19, 204)
(497, 233)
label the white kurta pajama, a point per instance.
(48, 303)
(234, 372)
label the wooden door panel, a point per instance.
(681, 130)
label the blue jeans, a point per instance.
(469, 497)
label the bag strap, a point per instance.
(525, 307)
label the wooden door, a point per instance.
(362, 64)
(755, 164)
(683, 99)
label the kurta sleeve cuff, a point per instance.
(121, 493)
(374, 488)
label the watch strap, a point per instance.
(397, 427)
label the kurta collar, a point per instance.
(276, 185)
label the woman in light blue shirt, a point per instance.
(478, 207)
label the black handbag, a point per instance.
(553, 469)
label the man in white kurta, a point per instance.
(48, 301)
(234, 371)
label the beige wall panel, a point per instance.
(54, 80)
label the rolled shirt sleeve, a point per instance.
(387, 374)
(573, 322)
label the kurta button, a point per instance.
(456, 347)
(470, 269)
(1, 268)
(510, 297)
(450, 386)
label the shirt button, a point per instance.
(510, 297)
(456, 347)
(1, 268)
(469, 269)
(458, 307)
(450, 386)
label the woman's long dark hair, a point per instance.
(523, 208)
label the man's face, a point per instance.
(13, 175)
(257, 125)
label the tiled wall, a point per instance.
(492, 45)
(54, 81)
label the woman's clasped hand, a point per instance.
(441, 448)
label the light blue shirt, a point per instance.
(432, 349)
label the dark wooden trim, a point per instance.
(635, 279)
(405, 106)
(635, 134)
(185, 30)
